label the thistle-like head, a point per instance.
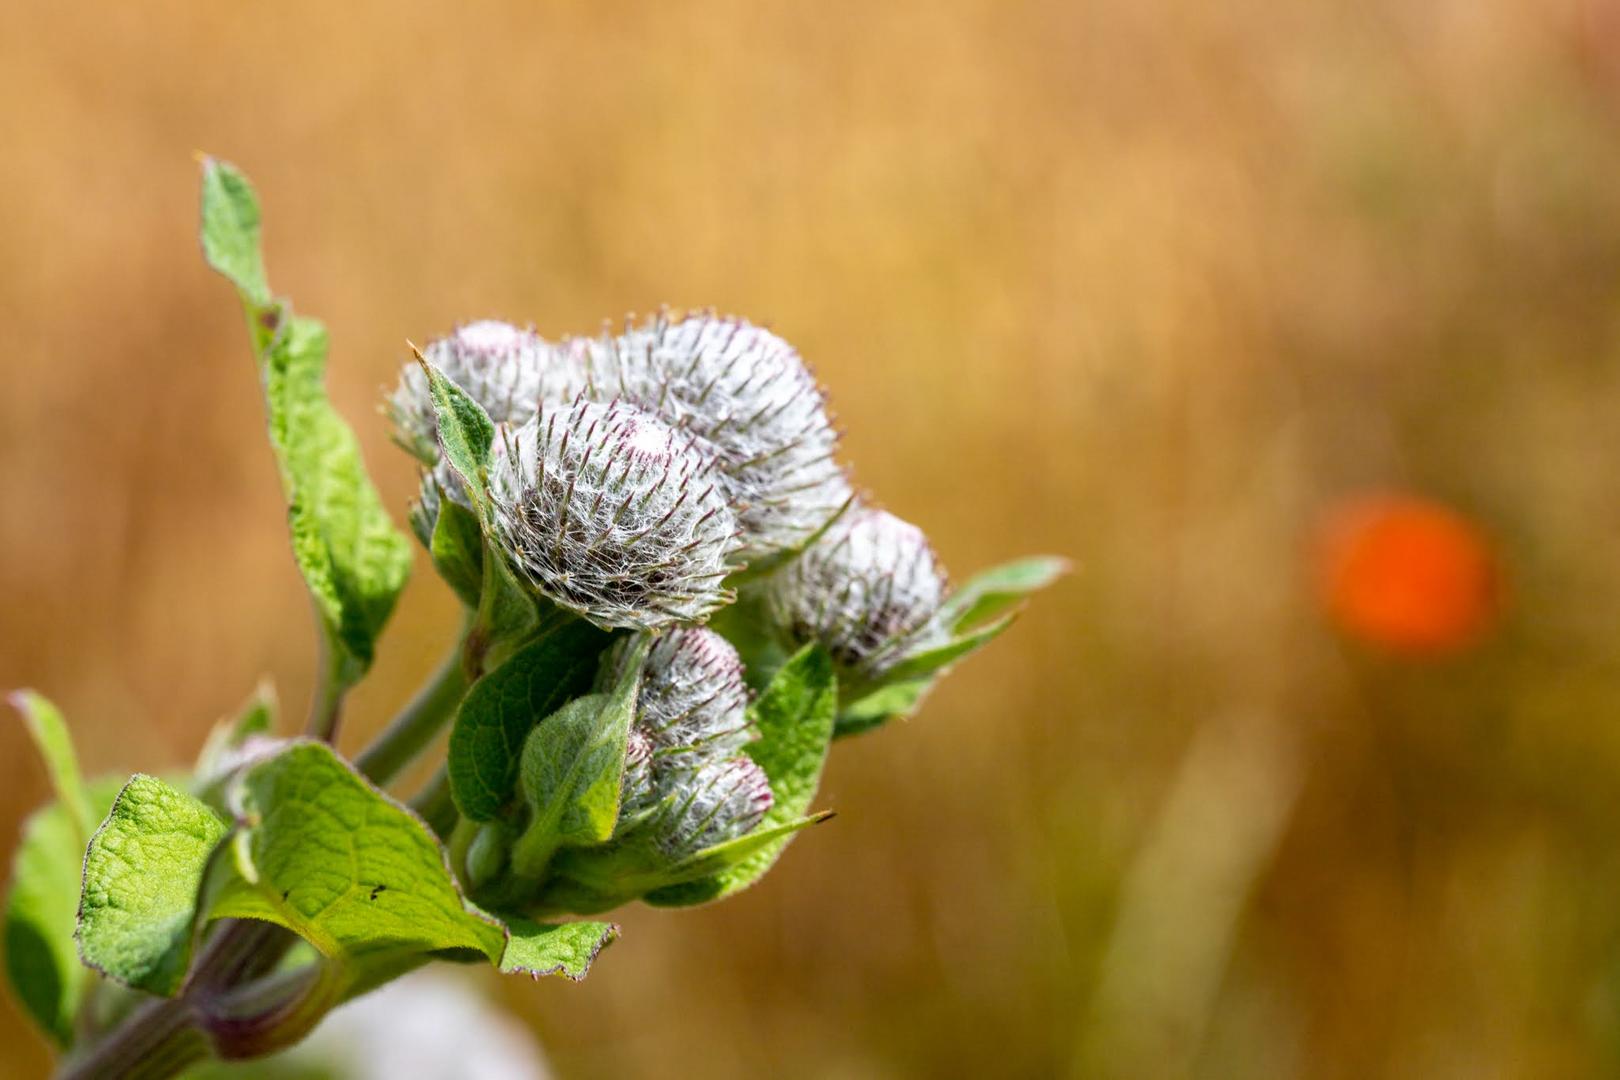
(692, 699)
(612, 513)
(710, 803)
(867, 590)
(746, 393)
(504, 368)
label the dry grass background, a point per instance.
(1146, 283)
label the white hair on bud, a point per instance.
(506, 369)
(744, 392)
(637, 790)
(715, 801)
(868, 590)
(610, 512)
(692, 698)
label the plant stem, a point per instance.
(326, 706)
(410, 732)
(157, 1041)
(435, 803)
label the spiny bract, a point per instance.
(502, 367)
(868, 590)
(744, 392)
(612, 513)
(713, 802)
(692, 698)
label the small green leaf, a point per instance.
(499, 711)
(55, 745)
(925, 663)
(993, 591)
(42, 911)
(886, 703)
(572, 769)
(230, 231)
(256, 717)
(330, 857)
(142, 875)
(795, 720)
(537, 949)
(457, 547)
(466, 433)
(351, 556)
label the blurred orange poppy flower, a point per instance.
(1407, 574)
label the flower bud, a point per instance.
(867, 590)
(505, 369)
(709, 804)
(692, 699)
(746, 393)
(610, 512)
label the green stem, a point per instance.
(435, 803)
(326, 706)
(416, 725)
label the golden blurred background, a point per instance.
(1151, 284)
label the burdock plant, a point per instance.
(675, 602)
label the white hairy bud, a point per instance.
(711, 803)
(868, 590)
(744, 392)
(610, 512)
(637, 790)
(692, 698)
(504, 368)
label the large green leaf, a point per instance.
(142, 877)
(351, 556)
(332, 858)
(42, 958)
(795, 720)
(486, 743)
(572, 769)
(362, 879)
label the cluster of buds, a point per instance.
(686, 781)
(633, 479)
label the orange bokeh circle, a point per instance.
(1407, 574)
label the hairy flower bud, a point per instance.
(692, 698)
(744, 392)
(507, 370)
(867, 590)
(610, 512)
(711, 803)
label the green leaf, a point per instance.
(142, 876)
(795, 720)
(330, 857)
(55, 745)
(993, 591)
(351, 556)
(886, 703)
(457, 547)
(537, 949)
(353, 559)
(42, 910)
(256, 717)
(497, 714)
(230, 230)
(466, 433)
(572, 769)
(925, 663)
